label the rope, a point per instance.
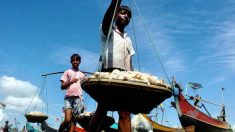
(33, 97)
(46, 95)
(86, 101)
(155, 50)
(40, 93)
(135, 41)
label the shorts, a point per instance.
(74, 103)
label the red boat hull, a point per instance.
(191, 116)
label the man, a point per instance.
(7, 127)
(117, 54)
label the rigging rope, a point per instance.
(135, 41)
(46, 98)
(40, 92)
(154, 47)
(33, 97)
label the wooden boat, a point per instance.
(46, 128)
(161, 128)
(126, 95)
(30, 128)
(192, 118)
(84, 120)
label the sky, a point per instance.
(194, 40)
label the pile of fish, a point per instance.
(36, 114)
(133, 76)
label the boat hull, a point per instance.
(191, 116)
(160, 128)
(200, 126)
(84, 120)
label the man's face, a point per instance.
(123, 17)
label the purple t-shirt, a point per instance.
(75, 88)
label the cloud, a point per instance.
(217, 79)
(14, 87)
(233, 127)
(223, 46)
(20, 104)
(18, 94)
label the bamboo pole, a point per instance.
(53, 73)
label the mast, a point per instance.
(222, 112)
(16, 124)
(222, 95)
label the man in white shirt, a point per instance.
(117, 54)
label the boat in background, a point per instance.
(30, 128)
(46, 128)
(161, 128)
(192, 119)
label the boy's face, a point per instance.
(75, 62)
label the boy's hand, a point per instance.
(74, 80)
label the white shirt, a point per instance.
(118, 51)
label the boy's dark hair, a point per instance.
(75, 56)
(124, 7)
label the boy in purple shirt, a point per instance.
(73, 100)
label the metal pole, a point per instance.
(52, 73)
(186, 89)
(162, 116)
(206, 110)
(222, 95)
(16, 124)
(211, 103)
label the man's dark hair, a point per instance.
(124, 7)
(75, 56)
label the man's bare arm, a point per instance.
(107, 20)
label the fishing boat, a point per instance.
(193, 119)
(84, 119)
(46, 128)
(161, 128)
(31, 128)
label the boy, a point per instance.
(73, 100)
